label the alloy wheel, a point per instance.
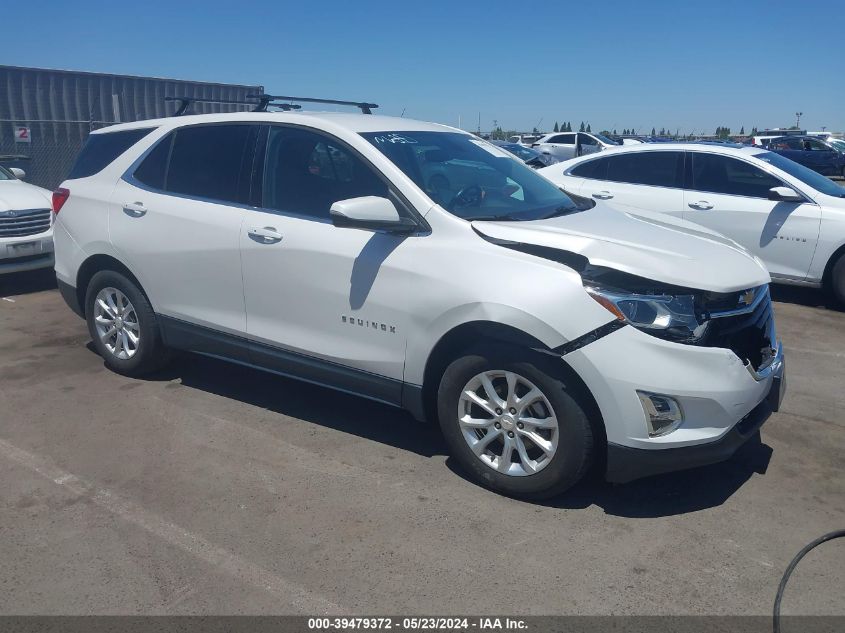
(508, 422)
(117, 323)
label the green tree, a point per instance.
(589, 129)
(581, 129)
(653, 132)
(742, 131)
(556, 129)
(614, 131)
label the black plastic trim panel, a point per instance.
(589, 337)
(68, 293)
(181, 334)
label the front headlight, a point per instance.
(671, 317)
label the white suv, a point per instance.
(544, 334)
(26, 224)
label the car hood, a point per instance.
(19, 196)
(650, 245)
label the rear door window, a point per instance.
(101, 149)
(594, 169)
(563, 139)
(212, 161)
(657, 169)
(722, 174)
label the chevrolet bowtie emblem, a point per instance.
(747, 297)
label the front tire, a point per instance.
(837, 281)
(123, 326)
(513, 423)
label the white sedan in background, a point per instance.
(788, 215)
(565, 145)
(26, 224)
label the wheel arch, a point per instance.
(96, 263)
(831, 262)
(465, 336)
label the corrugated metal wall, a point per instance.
(62, 107)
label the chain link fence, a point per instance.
(50, 151)
(46, 115)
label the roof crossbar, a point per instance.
(260, 106)
(269, 100)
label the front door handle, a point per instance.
(265, 235)
(134, 209)
(603, 195)
(701, 205)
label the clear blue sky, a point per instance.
(688, 64)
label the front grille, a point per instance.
(749, 334)
(21, 223)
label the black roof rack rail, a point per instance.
(259, 106)
(269, 100)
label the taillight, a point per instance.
(60, 196)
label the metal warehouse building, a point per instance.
(46, 115)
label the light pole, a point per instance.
(798, 116)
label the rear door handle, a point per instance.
(265, 235)
(134, 209)
(701, 205)
(602, 195)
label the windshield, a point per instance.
(471, 178)
(804, 174)
(605, 140)
(5, 175)
(838, 145)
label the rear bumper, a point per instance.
(626, 464)
(68, 293)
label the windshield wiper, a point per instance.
(560, 211)
(484, 218)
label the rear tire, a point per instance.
(123, 325)
(836, 283)
(532, 401)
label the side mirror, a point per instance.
(18, 173)
(370, 212)
(785, 194)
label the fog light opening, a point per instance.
(663, 413)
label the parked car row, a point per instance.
(786, 214)
(426, 268)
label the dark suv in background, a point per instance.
(812, 152)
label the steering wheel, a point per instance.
(470, 196)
